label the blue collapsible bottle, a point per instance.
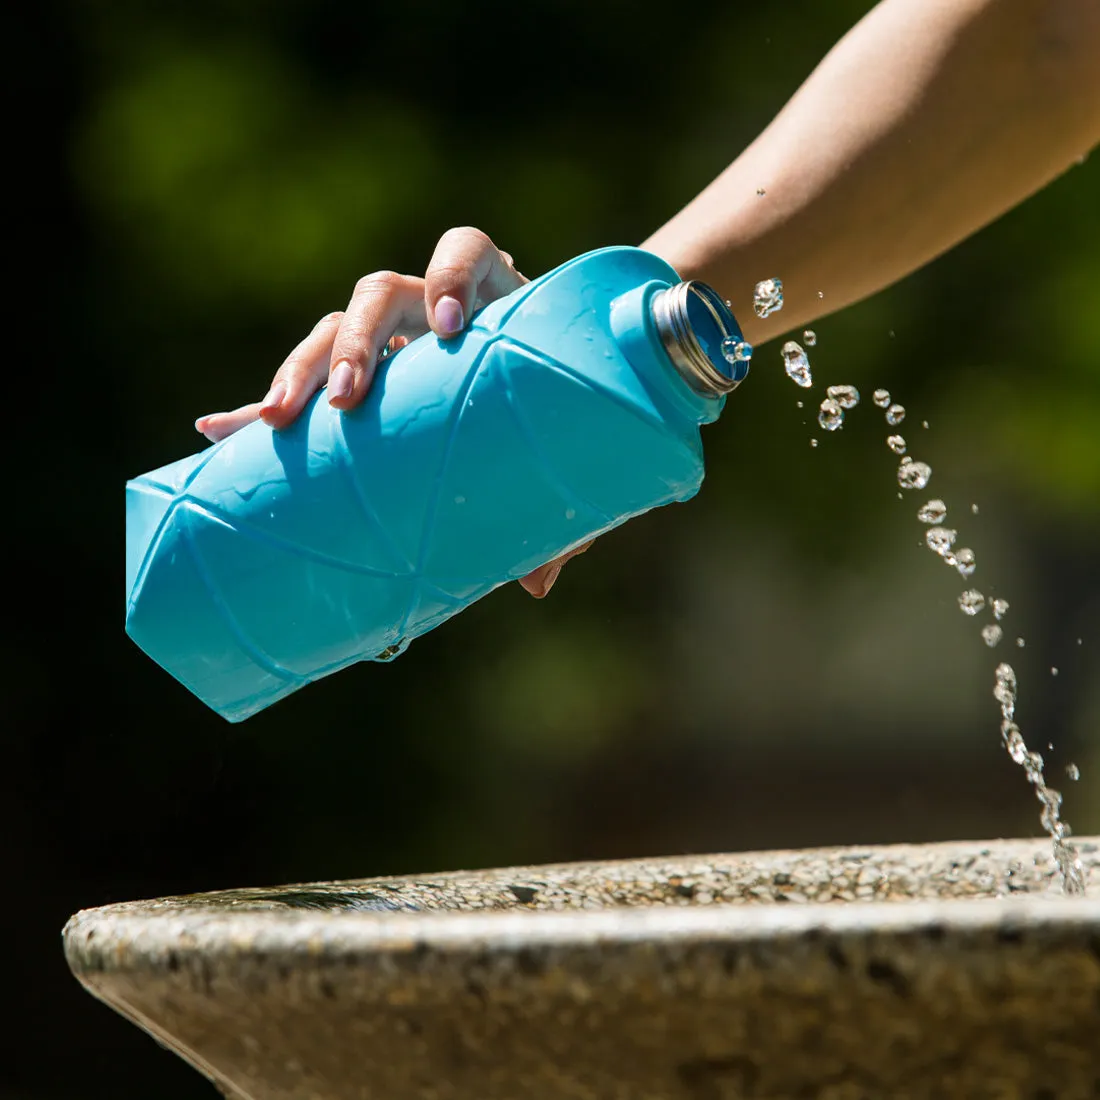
(274, 558)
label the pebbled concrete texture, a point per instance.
(927, 971)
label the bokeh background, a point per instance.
(779, 662)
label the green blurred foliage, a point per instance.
(777, 662)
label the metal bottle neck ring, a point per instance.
(672, 314)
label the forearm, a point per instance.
(925, 122)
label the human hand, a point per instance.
(387, 310)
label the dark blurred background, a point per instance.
(777, 663)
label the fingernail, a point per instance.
(340, 380)
(274, 396)
(551, 577)
(448, 315)
(200, 424)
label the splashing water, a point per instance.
(736, 351)
(965, 562)
(847, 397)
(809, 338)
(797, 364)
(913, 475)
(1065, 854)
(971, 602)
(940, 540)
(767, 297)
(830, 416)
(935, 511)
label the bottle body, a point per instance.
(275, 558)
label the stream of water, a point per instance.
(914, 475)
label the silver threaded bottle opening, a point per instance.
(693, 322)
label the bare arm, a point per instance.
(928, 120)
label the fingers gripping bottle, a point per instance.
(274, 558)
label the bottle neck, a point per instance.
(695, 327)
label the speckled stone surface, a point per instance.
(905, 972)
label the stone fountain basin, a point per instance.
(947, 970)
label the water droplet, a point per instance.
(932, 512)
(799, 404)
(736, 351)
(570, 513)
(830, 416)
(974, 509)
(761, 192)
(1020, 643)
(940, 540)
(1014, 743)
(992, 634)
(924, 424)
(809, 338)
(881, 398)
(797, 364)
(847, 397)
(896, 443)
(821, 294)
(1000, 606)
(767, 297)
(913, 475)
(895, 414)
(1065, 855)
(1004, 691)
(971, 602)
(813, 442)
(964, 562)
(1053, 671)
(1073, 771)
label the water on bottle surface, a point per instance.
(881, 398)
(896, 443)
(767, 297)
(797, 364)
(935, 511)
(830, 416)
(1000, 606)
(1073, 771)
(895, 414)
(809, 338)
(736, 351)
(992, 634)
